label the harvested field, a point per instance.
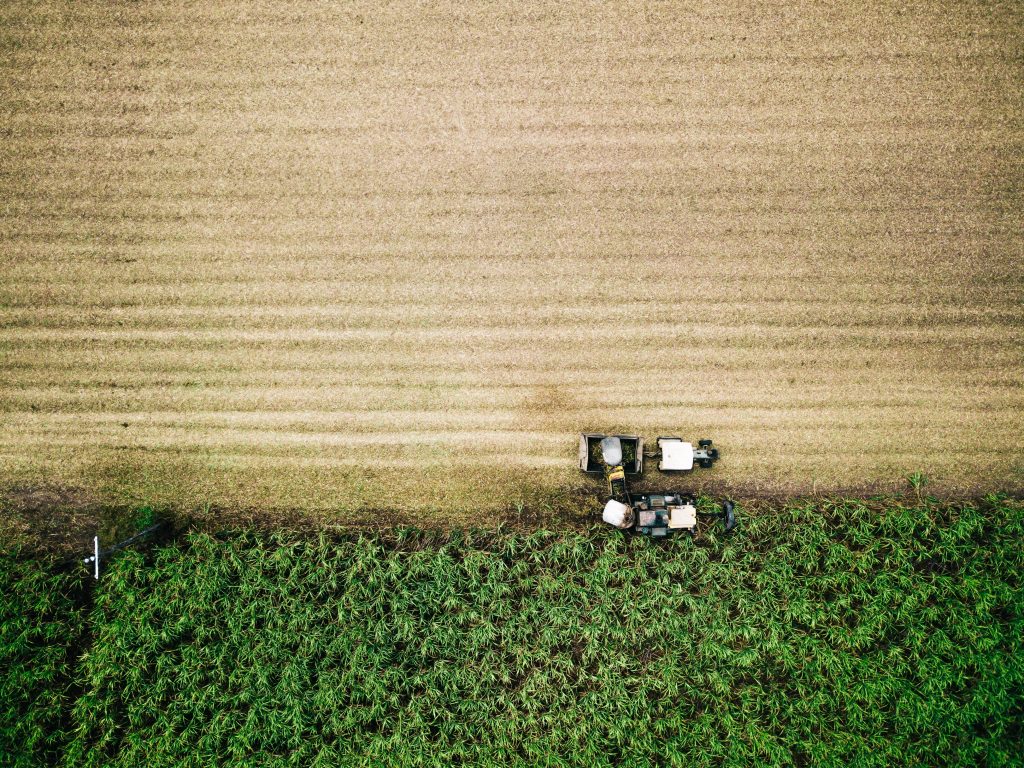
(340, 258)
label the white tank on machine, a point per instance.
(618, 514)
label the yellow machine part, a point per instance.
(617, 483)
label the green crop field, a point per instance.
(824, 634)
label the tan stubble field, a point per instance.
(341, 258)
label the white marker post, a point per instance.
(95, 559)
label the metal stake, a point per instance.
(95, 559)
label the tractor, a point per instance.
(650, 514)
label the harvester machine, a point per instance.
(650, 514)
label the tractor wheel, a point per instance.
(705, 443)
(729, 516)
(705, 463)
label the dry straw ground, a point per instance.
(345, 256)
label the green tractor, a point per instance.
(649, 514)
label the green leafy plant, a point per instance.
(831, 633)
(42, 624)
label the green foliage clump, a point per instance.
(42, 621)
(823, 634)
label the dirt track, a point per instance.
(339, 258)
